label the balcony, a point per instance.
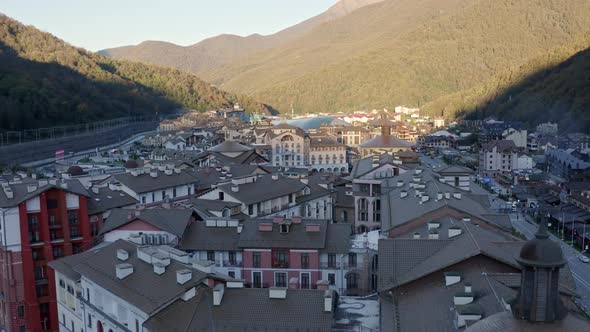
(280, 265)
(227, 263)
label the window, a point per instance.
(332, 260)
(72, 217)
(136, 325)
(211, 255)
(257, 279)
(251, 209)
(232, 274)
(377, 210)
(33, 222)
(363, 209)
(256, 259)
(163, 194)
(143, 199)
(89, 321)
(57, 252)
(20, 311)
(456, 181)
(153, 196)
(332, 278)
(88, 295)
(305, 284)
(173, 192)
(40, 273)
(305, 261)
(352, 281)
(280, 279)
(22, 328)
(221, 195)
(281, 259)
(284, 228)
(352, 259)
(232, 258)
(52, 220)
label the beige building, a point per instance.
(288, 146)
(326, 154)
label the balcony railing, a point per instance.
(280, 265)
(227, 263)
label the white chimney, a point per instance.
(328, 300)
(277, 293)
(177, 170)
(218, 294)
(452, 278)
(400, 184)
(454, 232)
(448, 195)
(9, 193)
(43, 183)
(304, 180)
(189, 294)
(416, 235)
(433, 236)
(53, 181)
(275, 176)
(122, 255)
(123, 270)
(134, 172)
(235, 188)
(183, 276)
(439, 196)
(159, 268)
(424, 198)
(154, 174)
(31, 188)
(457, 195)
(468, 288)
(403, 194)
(168, 172)
(95, 190)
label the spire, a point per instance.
(542, 230)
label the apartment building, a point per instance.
(497, 157)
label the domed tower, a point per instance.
(538, 299)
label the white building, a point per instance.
(326, 154)
(498, 156)
(288, 146)
(519, 137)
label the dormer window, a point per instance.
(284, 228)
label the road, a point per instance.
(580, 270)
(435, 163)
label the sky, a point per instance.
(100, 24)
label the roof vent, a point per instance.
(218, 294)
(154, 174)
(53, 181)
(159, 268)
(424, 198)
(168, 172)
(277, 293)
(229, 175)
(275, 176)
(448, 195)
(329, 300)
(416, 235)
(123, 270)
(31, 188)
(235, 188)
(400, 183)
(457, 195)
(183, 276)
(403, 194)
(43, 183)
(312, 228)
(439, 196)
(177, 170)
(452, 278)
(122, 255)
(8, 192)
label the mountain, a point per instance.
(552, 87)
(404, 52)
(225, 49)
(46, 82)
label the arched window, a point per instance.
(225, 212)
(99, 327)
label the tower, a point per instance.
(538, 298)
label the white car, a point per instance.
(584, 258)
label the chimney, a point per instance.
(161, 168)
(112, 186)
(323, 285)
(154, 174)
(403, 194)
(454, 231)
(168, 172)
(122, 255)
(447, 195)
(159, 268)
(265, 227)
(137, 213)
(134, 172)
(43, 183)
(278, 219)
(433, 235)
(229, 175)
(123, 270)
(304, 179)
(452, 278)
(329, 301)
(275, 176)
(296, 220)
(9, 193)
(424, 198)
(468, 288)
(183, 276)
(130, 215)
(177, 170)
(293, 283)
(277, 293)
(416, 235)
(53, 181)
(218, 291)
(312, 228)
(439, 196)
(95, 190)
(457, 195)
(400, 184)
(235, 188)
(31, 188)
(234, 284)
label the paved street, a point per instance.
(435, 164)
(580, 270)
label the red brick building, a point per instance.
(40, 220)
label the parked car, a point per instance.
(584, 258)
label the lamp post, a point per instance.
(584, 238)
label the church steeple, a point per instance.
(538, 299)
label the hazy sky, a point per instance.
(99, 24)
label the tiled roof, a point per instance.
(230, 146)
(173, 221)
(246, 309)
(386, 142)
(500, 145)
(108, 199)
(263, 189)
(143, 183)
(21, 193)
(505, 322)
(143, 289)
(200, 237)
